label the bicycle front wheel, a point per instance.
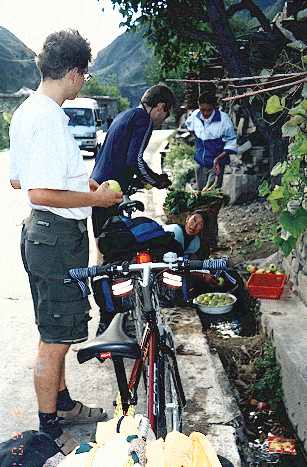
(170, 396)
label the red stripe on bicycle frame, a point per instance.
(138, 364)
(151, 381)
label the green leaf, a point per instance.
(279, 169)
(299, 110)
(264, 189)
(277, 193)
(302, 15)
(7, 117)
(294, 223)
(304, 91)
(286, 246)
(275, 205)
(273, 105)
(298, 45)
(302, 149)
(265, 73)
(298, 147)
(290, 128)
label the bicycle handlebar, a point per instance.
(210, 264)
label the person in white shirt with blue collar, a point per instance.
(215, 139)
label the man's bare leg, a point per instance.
(47, 374)
(62, 378)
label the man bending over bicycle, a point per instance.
(121, 156)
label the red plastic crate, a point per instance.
(266, 285)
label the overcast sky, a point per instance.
(32, 20)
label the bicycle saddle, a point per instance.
(113, 340)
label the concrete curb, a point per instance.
(285, 322)
(211, 407)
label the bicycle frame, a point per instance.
(151, 344)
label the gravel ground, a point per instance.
(244, 231)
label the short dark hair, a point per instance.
(207, 98)
(63, 51)
(159, 93)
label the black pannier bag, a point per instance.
(121, 238)
(27, 449)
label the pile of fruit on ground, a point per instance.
(271, 269)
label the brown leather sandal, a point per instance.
(81, 414)
(66, 443)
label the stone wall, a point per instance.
(295, 266)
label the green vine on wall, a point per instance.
(289, 198)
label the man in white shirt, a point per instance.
(48, 166)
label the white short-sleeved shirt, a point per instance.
(44, 154)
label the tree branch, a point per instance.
(254, 11)
(262, 91)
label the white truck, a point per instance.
(84, 122)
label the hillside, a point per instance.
(16, 64)
(125, 60)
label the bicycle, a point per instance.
(154, 355)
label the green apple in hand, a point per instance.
(114, 185)
(220, 281)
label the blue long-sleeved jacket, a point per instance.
(212, 139)
(121, 155)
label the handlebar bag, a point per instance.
(122, 237)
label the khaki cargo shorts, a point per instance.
(50, 246)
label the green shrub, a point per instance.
(5, 118)
(292, 173)
(178, 201)
(94, 88)
(268, 386)
(180, 162)
(178, 150)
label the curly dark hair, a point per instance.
(159, 93)
(63, 51)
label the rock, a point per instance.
(302, 286)
(264, 262)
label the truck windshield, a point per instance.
(80, 117)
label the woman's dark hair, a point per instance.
(63, 51)
(204, 215)
(207, 98)
(159, 93)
